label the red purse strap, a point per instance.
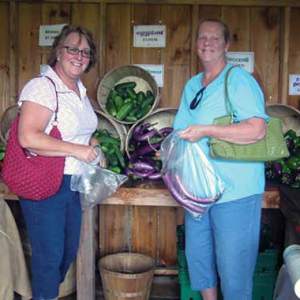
(56, 110)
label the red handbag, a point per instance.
(33, 177)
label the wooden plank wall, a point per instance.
(272, 32)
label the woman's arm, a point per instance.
(245, 132)
(33, 121)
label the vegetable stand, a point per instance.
(124, 196)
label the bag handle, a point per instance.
(56, 110)
(228, 104)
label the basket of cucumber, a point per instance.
(111, 136)
(128, 94)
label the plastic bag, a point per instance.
(189, 176)
(95, 184)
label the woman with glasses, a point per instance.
(223, 244)
(53, 224)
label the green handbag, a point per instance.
(271, 147)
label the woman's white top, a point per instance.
(76, 118)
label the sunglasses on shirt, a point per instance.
(197, 99)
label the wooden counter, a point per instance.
(124, 196)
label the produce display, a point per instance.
(111, 148)
(287, 170)
(144, 143)
(124, 104)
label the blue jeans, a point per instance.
(224, 243)
(53, 227)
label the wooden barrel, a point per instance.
(126, 276)
(143, 79)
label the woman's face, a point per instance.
(73, 56)
(211, 46)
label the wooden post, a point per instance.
(86, 258)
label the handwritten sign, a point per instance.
(157, 71)
(294, 84)
(48, 33)
(149, 36)
(242, 59)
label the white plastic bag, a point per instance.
(96, 184)
(189, 176)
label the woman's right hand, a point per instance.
(85, 153)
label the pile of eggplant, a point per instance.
(143, 162)
(188, 200)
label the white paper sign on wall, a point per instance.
(294, 84)
(149, 36)
(157, 71)
(48, 33)
(242, 59)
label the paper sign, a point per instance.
(149, 36)
(242, 59)
(157, 71)
(48, 33)
(294, 84)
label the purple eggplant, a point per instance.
(145, 150)
(154, 176)
(165, 131)
(141, 166)
(179, 197)
(184, 191)
(146, 135)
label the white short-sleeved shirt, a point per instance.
(76, 118)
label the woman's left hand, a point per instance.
(193, 133)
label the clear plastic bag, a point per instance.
(189, 176)
(95, 184)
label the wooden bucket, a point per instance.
(143, 79)
(126, 276)
(160, 118)
(6, 119)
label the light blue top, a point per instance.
(241, 179)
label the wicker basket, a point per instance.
(6, 119)
(143, 79)
(115, 129)
(160, 118)
(289, 115)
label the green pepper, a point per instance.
(293, 162)
(115, 169)
(124, 111)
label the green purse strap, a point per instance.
(228, 104)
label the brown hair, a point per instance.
(59, 40)
(226, 31)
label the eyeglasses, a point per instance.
(198, 97)
(87, 53)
